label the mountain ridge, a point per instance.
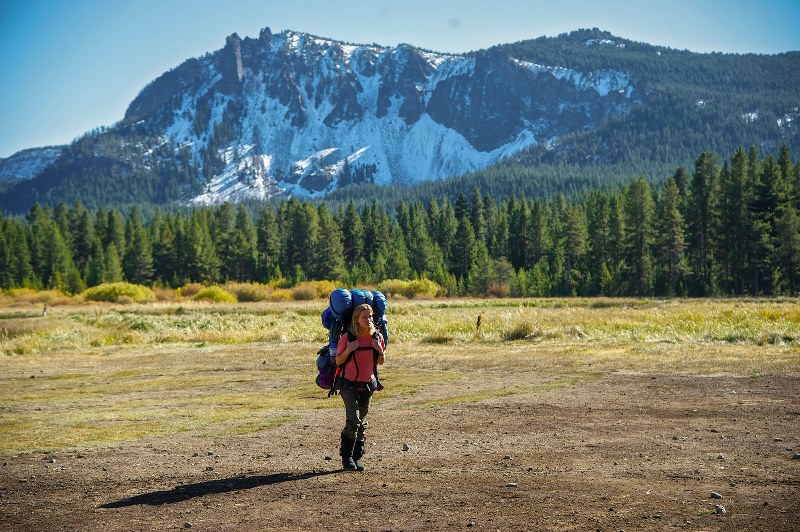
(295, 114)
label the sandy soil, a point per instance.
(621, 452)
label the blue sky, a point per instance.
(67, 66)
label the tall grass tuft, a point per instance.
(519, 331)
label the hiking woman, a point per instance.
(360, 348)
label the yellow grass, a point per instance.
(105, 374)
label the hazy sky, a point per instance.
(67, 66)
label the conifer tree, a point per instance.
(112, 267)
(787, 172)
(539, 238)
(702, 213)
(82, 234)
(352, 235)
(101, 224)
(115, 232)
(482, 273)
(540, 279)
(557, 249)
(61, 218)
(769, 199)
(378, 234)
(268, 245)
(202, 262)
(444, 225)
(518, 234)
(328, 250)
(616, 244)
(244, 249)
(461, 207)
(20, 269)
(599, 242)
(477, 215)
(165, 250)
(788, 250)
(396, 265)
(94, 271)
(463, 249)
(422, 255)
(138, 262)
(299, 228)
(40, 225)
(734, 220)
(639, 237)
(498, 221)
(5, 258)
(671, 242)
(402, 216)
(575, 236)
(681, 178)
(61, 272)
(222, 233)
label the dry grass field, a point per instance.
(553, 414)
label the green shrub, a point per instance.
(215, 294)
(120, 292)
(410, 289)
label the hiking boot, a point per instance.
(346, 451)
(358, 451)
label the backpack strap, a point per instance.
(376, 354)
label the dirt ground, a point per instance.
(619, 452)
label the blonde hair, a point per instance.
(357, 310)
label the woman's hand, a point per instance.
(377, 345)
(351, 346)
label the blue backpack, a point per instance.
(335, 319)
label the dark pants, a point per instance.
(356, 405)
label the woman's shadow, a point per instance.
(199, 489)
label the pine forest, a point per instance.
(725, 227)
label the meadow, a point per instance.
(99, 374)
(109, 378)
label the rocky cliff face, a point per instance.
(309, 113)
(291, 113)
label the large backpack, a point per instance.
(335, 319)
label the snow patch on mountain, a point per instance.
(27, 164)
(246, 175)
(604, 42)
(750, 117)
(789, 120)
(602, 81)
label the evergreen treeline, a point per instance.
(729, 228)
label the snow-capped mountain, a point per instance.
(298, 114)
(294, 114)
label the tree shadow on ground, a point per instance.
(200, 489)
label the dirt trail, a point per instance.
(623, 452)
